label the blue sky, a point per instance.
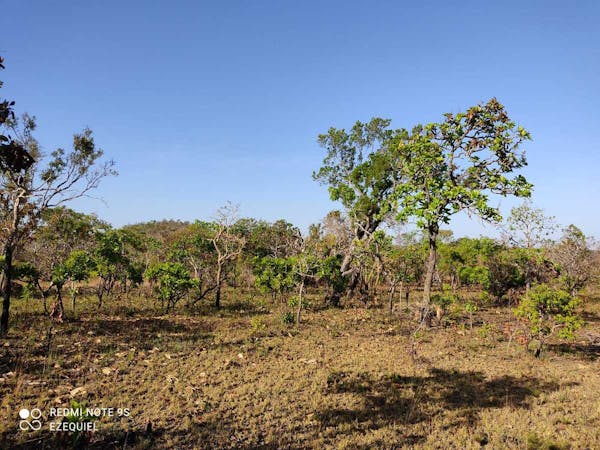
(203, 102)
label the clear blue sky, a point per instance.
(204, 102)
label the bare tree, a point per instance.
(529, 229)
(575, 259)
(227, 244)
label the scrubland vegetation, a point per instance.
(234, 332)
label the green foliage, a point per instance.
(506, 272)
(360, 173)
(535, 442)
(257, 326)
(485, 298)
(113, 258)
(357, 169)
(28, 292)
(330, 273)
(486, 330)
(274, 275)
(24, 271)
(453, 165)
(173, 282)
(478, 275)
(278, 239)
(78, 438)
(549, 310)
(288, 318)
(193, 245)
(79, 265)
(470, 307)
(444, 299)
(293, 302)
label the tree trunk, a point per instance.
(401, 292)
(6, 287)
(100, 295)
(431, 263)
(60, 305)
(44, 293)
(45, 303)
(73, 296)
(218, 288)
(349, 272)
(299, 302)
(392, 292)
(429, 272)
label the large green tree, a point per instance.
(455, 165)
(358, 171)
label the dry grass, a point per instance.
(240, 378)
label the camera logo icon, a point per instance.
(30, 420)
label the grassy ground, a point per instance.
(349, 378)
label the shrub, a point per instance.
(257, 326)
(273, 275)
(470, 308)
(477, 275)
(549, 311)
(173, 282)
(288, 318)
(505, 273)
(293, 302)
(443, 300)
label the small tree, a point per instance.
(193, 247)
(530, 230)
(61, 232)
(228, 245)
(402, 265)
(78, 267)
(574, 259)
(273, 275)
(305, 267)
(112, 262)
(549, 311)
(331, 276)
(173, 282)
(75, 269)
(506, 273)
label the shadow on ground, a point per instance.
(412, 399)
(589, 352)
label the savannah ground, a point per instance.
(345, 378)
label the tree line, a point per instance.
(194, 262)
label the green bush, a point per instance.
(288, 318)
(273, 275)
(549, 311)
(444, 300)
(293, 302)
(506, 272)
(173, 282)
(257, 325)
(477, 275)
